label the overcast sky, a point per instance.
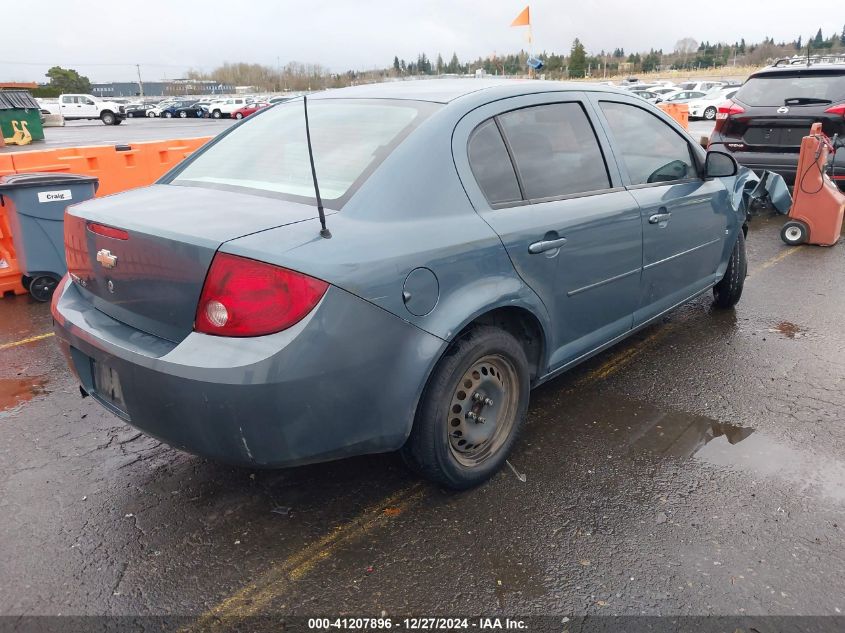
(105, 40)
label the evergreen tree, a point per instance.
(798, 44)
(454, 65)
(439, 64)
(842, 37)
(396, 66)
(577, 59)
(818, 40)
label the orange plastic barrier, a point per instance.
(6, 165)
(10, 274)
(119, 168)
(678, 111)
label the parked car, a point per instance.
(193, 111)
(211, 311)
(682, 96)
(706, 106)
(74, 107)
(134, 111)
(764, 122)
(224, 109)
(240, 113)
(700, 86)
(651, 97)
(172, 109)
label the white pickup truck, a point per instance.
(75, 107)
(225, 107)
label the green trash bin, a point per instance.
(18, 107)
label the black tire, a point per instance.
(794, 233)
(217, 114)
(42, 287)
(25, 281)
(728, 291)
(183, 115)
(168, 115)
(130, 115)
(239, 116)
(432, 449)
(107, 118)
(710, 113)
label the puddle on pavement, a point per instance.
(678, 434)
(16, 391)
(789, 330)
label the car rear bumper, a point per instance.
(344, 381)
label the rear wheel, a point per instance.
(168, 115)
(471, 410)
(710, 113)
(217, 114)
(42, 286)
(794, 232)
(728, 291)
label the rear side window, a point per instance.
(491, 165)
(555, 150)
(774, 90)
(269, 153)
(652, 151)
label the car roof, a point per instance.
(801, 68)
(447, 90)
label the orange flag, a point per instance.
(523, 19)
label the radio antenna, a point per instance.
(324, 232)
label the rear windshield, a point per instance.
(268, 154)
(773, 90)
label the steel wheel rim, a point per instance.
(793, 233)
(482, 410)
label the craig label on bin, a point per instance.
(55, 196)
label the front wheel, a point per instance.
(728, 291)
(107, 118)
(471, 410)
(794, 233)
(710, 113)
(183, 115)
(239, 116)
(217, 114)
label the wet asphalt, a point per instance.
(697, 468)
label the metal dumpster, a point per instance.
(35, 204)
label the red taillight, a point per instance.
(243, 297)
(108, 231)
(724, 111)
(837, 109)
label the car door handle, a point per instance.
(657, 218)
(546, 245)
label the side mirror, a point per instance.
(720, 165)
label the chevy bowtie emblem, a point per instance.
(105, 257)
(782, 110)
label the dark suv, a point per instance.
(762, 126)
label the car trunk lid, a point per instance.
(152, 279)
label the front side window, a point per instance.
(651, 150)
(555, 150)
(269, 153)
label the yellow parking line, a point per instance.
(26, 341)
(774, 260)
(258, 594)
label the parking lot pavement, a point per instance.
(695, 469)
(81, 133)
